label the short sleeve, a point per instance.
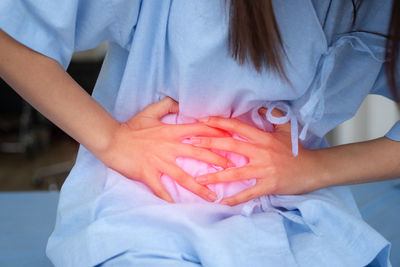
(57, 28)
(381, 87)
(394, 133)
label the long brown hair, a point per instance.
(254, 37)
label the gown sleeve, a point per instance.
(381, 87)
(377, 21)
(352, 67)
(57, 28)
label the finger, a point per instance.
(230, 175)
(188, 182)
(183, 131)
(244, 130)
(158, 188)
(224, 143)
(204, 155)
(244, 196)
(161, 108)
(276, 113)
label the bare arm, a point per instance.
(278, 172)
(46, 86)
(362, 162)
(140, 148)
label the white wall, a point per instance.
(94, 54)
(375, 117)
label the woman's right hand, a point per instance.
(143, 148)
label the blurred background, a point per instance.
(36, 155)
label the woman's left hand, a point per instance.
(270, 157)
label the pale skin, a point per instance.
(278, 172)
(143, 148)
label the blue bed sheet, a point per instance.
(26, 222)
(379, 204)
(27, 219)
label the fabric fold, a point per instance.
(311, 109)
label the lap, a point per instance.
(102, 215)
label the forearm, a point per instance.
(43, 83)
(362, 162)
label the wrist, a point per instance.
(329, 166)
(361, 162)
(341, 165)
(102, 141)
(321, 168)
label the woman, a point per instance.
(329, 62)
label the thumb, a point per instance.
(162, 108)
(276, 113)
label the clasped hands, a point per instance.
(144, 148)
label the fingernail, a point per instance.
(230, 164)
(205, 119)
(212, 197)
(201, 180)
(195, 140)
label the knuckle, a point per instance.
(204, 141)
(180, 180)
(185, 181)
(230, 144)
(207, 141)
(213, 158)
(151, 158)
(169, 99)
(166, 101)
(240, 172)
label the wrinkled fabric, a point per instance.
(394, 132)
(197, 168)
(178, 48)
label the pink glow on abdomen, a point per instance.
(197, 168)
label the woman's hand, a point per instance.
(144, 148)
(270, 160)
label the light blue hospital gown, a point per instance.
(177, 48)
